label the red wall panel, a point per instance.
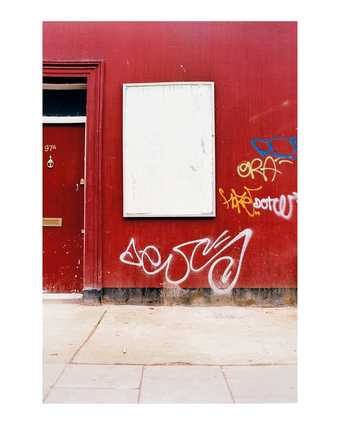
(253, 65)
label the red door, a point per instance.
(63, 207)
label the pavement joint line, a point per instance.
(66, 387)
(184, 364)
(140, 385)
(227, 384)
(88, 337)
(55, 382)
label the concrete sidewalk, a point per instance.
(178, 354)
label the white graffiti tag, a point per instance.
(212, 253)
(282, 207)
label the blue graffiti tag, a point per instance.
(272, 151)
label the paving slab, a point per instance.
(184, 384)
(94, 354)
(66, 327)
(91, 395)
(101, 376)
(262, 384)
(224, 335)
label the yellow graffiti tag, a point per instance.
(261, 166)
(243, 202)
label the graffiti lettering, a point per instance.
(282, 206)
(262, 167)
(202, 253)
(242, 202)
(270, 147)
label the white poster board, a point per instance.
(169, 150)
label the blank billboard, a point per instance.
(169, 150)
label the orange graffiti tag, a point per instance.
(243, 202)
(261, 166)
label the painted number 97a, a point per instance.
(49, 148)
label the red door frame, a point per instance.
(93, 71)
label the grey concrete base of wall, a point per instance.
(175, 296)
(92, 296)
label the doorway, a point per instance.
(64, 120)
(90, 73)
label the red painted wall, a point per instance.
(253, 65)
